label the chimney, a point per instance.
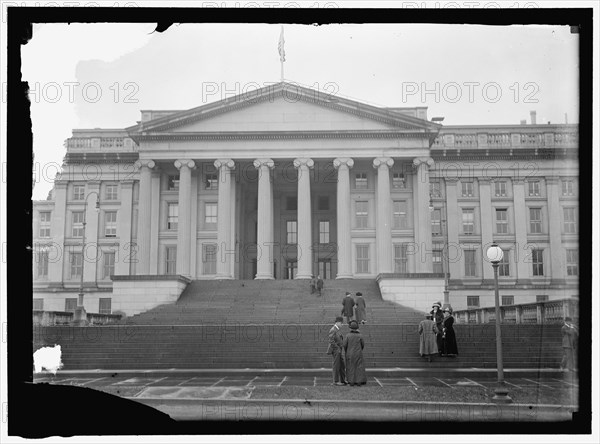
(532, 114)
(523, 122)
(566, 119)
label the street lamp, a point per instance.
(494, 255)
(446, 254)
(80, 315)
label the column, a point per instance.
(224, 248)
(91, 251)
(344, 216)
(304, 216)
(487, 225)
(523, 267)
(384, 228)
(124, 228)
(557, 253)
(423, 234)
(142, 253)
(452, 220)
(57, 252)
(184, 218)
(155, 222)
(264, 266)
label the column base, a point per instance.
(344, 276)
(223, 277)
(80, 317)
(303, 276)
(263, 276)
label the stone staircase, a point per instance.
(280, 325)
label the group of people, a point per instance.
(354, 309)
(436, 331)
(316, 284)
(348, 369)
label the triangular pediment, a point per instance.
(283, 107)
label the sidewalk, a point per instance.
(307, 394)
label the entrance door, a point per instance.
(291, 267)
(325, 268)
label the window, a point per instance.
(360, 182)
(472, 301)
(399, 216)
(362, 258)
(501, 220)
(400, 259)
(508, 300)
(38, 304)
(291, 203)
(323, 203)
(534, 187)
(110, 224)
(541, 298)
(570, 220)
(78, 192)
(436, 222)
(210, 213)
(467, 189)
(212, 181)
(109, 265)
(469, 262)
(172, 216)
(438, 266)
(171, 260)
(111, 192)
(324, 232)
(500, 188)
(209, 258)
(572, 262)
(173, 183)
(45, 224)
(70, 304)
(292, 232)
(568, 187)
(105, 306)
(537, 257)
(435, 188)
(468, 221)
(535, 220)
(362, 213)
(398, 180)
(503, 265)
(77, 224)
(291, 268)
(42, 264)
(76, 265)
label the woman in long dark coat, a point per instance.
(355, 365)
(448, 336)
(361, 309)
(438, 318)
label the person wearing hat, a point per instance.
(448, 336)
(361, 305)
(427, 337)
(570, 336)
(355, 365)
(348, 310)
(336, 341)
(438, 318)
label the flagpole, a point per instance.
(281, 50)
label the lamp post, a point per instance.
(446, 254)
(80, 315)
(494, 255)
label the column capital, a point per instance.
(552, 180)
(303, 161)
(225, 163)
(381, 161)
(518, 180)
(264, 162)
(184, 162)
(61, 183)
(149, 163)
(343, 161)
(127, 183)
(485, 180)
(417, 161)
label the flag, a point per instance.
(280, 47)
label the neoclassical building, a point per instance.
(287, 182)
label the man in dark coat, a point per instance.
(319, 284)
(570, 336)
(348, 310)
(336, 341)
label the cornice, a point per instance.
(503, 154)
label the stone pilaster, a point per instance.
(424, 263)
(91, 251)
(488, 225)
(384, 228)
(124, 228)
(57, 251)
(524, 268)
(344, 217)
(452, 220)
(225, 249)
(184, 219)
(557, 252)
(142, 252)
(264, 266)
(304, 217)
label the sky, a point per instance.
(102, 75)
